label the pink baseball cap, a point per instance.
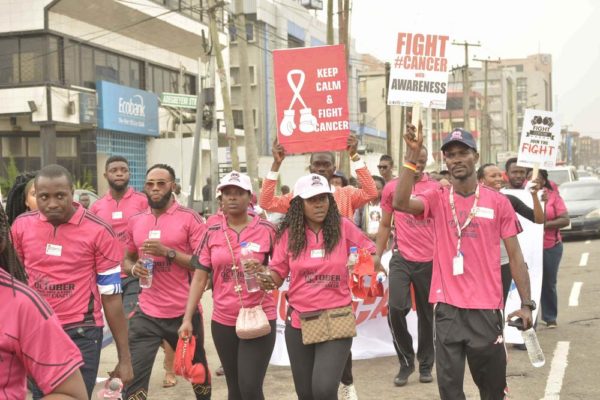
(235, 178)
(311, 185)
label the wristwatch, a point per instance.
(171, 254)
(529, 303)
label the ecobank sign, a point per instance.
(124, 109)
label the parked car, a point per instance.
(582, 199)
(586, 176)
(562, 174)
(79, 192)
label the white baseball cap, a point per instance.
(235, 178)
(311, 185)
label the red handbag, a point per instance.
(195, 373)
(363, 279)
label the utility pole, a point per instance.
(227, 113)
(486, 131)
(388, 113)
(343, 38)
(200, 103)
(465, 71)
(330, 39)
(248, 114)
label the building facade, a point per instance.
(80, 81)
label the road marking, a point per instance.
(557, 371)
(574, 296)
(584, 259)
(588, 241)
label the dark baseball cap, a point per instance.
(459, 135)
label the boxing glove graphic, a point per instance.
(308, 122)
(287, 125)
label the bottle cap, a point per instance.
(353, 249)
(244, 244)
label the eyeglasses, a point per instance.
(383, 166)
(160, 184)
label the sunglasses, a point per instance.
(159, 184)
(383, 166)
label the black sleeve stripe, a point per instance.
(203, 268)
(28, 214)
(66, 373)
(35, 298)
(197, 216)
(93, 218)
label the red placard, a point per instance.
(311, 93)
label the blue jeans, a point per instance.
(89, 342)
(549, 301)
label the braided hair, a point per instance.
(295, 221)
(15, 201)
(8, 256)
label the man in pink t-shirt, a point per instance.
(73, 260)
(410, 265)
(469, 222)
(168, 233)
(120, 203)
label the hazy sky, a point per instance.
(569, 30)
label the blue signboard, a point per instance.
(125, 109)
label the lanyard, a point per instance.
(460, 229)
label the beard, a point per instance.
(162, 203)
(118, 188)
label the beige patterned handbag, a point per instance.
(325, 325)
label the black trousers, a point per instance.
(245, 362)
(402, 274)
(145, 336)
(477, 336)
(316, 368)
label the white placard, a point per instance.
(531, 241)
(540, 140)
(419, 71)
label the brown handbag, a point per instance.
(252, 322)
(324, 325)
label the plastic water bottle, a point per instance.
(112, 390)
(246, 255)
(536, 355)
(148, 263)
(352, 258)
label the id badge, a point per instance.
(117, 215)
(458, 265)
(154, 235)
(317, 253)
(53, 250)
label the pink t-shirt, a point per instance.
(32, 342)
(318, 281)
(180, 229)
(414, 236)
(480, 286)
(67, 263)
(214, 255)
(555, 206)
(117, 213)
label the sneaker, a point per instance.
(402, 378)
(425, 377)
(551, 324)
(349, 392)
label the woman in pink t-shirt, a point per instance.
(312, 247)
(556, 218)
(244, 361)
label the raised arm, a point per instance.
(368, 190)
(267, 199)
(413, 139)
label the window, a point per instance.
(233, 31)
(13, 147)
(88, 76)
(294, 42)
(66, 147)
(238, 118)
(189, 84)
(9, 60)
(235, 76)
(72, 63)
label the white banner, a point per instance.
(373, 333)
(531, 241)
(419, 72)
(540, 140)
